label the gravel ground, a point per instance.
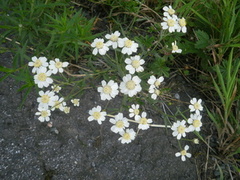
(81, 150)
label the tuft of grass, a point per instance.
(69, 33)
(43, 28)
(226, 83)
(216, 29)
(55, 28)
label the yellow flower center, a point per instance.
(37, 63)
(182, 22)
(195, 141)
(75, 101)
(42, 77)
(45, 98)
(96, 115)
(196, 123)
(44, 113)
(57, 104)
(135, 63)
(120, 124)
(196, 105)
(183, 152)
(130, 85)
(114, 38)
(170, 22)
(58, 64)
(99, 45)
(143, 121)
(107, 89)
(156, 91)
(128, 43)
(66, 110)
(157, 83)
(171, 11)
(181, 129)
(136, 111)
(56, 88)
(126, 136)
(174, 47)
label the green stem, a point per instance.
(152, 125)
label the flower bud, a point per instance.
(196, 141)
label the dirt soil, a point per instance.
(81, 150)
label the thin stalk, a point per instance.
(152, 125)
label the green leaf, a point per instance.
(26, 93)
(236, 168)
(4, 77)
(220, 172)
(27, 85)
(233, 45)
(159, 67)
(235, 152)
(203, 39)
(7, 70)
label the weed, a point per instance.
(217, 42)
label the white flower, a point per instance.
(175, 48)
(128, 46)
(154, 92)
(56, 88)
(195, 122)
(47, 99)
(119, 122)
(97, 114)
(168, 11)
(113, 39)
(42, 78)
(127, 136)
(179, 129)
(75, 102)
(43, 114)
(134, 110)
(66, 110)
(57, 66)
(154, 85)
(59, 104)
(154, 82)
(38, 63)
(184, 153)
(170, 23)
(182, 25)
(143, 121)
(195, 105)
(130, 85)
(108, 90)
(134, 64)
(99, 46)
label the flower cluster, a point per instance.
(120, 123)
(172, 22)
(128, 46)
(130, 84)
(180, 128)
(154, 86)
(48, 99)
